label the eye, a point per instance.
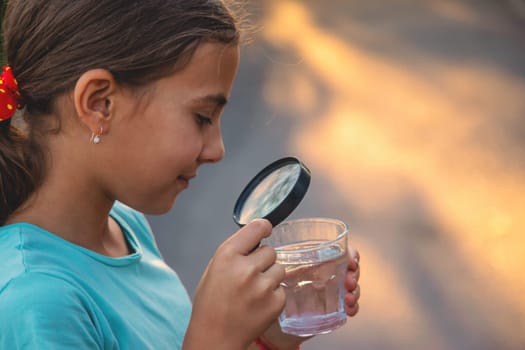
(203, 120)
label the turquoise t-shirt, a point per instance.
(57, 295)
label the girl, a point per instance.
(121, 101)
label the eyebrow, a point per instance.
(218, 99)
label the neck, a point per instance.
(72, 202)
(75, 212)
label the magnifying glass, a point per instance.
(273, 193)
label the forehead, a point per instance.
(210, 72)
(211, 64)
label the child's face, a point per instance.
(161, 146)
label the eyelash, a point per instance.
(202, 120)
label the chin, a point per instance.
(162, 209)
(155, 207)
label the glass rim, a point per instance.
(338, 222)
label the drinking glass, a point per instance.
(314, 254)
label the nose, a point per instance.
(213, 148)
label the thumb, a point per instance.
(247, 238)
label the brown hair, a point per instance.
(50, 43)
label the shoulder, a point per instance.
(38, 287)
(41, 310)
(11, 253)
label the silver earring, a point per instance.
(95, 138)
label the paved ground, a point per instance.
(410, 115)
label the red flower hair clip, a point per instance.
(10, 99)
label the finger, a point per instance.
(280, 298)
(357, 256)
(352, 310)
(244, 240)
(350, 281)
(354, 257)
(263, 257)
(357, 273)
(357, 293)
(351, 299)
(276, 274)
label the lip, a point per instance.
(185, 180)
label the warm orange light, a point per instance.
(388, 127)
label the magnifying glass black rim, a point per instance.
(288, 204)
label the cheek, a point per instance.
(177, 149)
(164, 139)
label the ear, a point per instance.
(93, 98)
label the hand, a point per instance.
(239, 294)
(351, 299)
(352, 283)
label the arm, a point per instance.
(274, 339)
(262, 343)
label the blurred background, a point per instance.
(411, 116)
